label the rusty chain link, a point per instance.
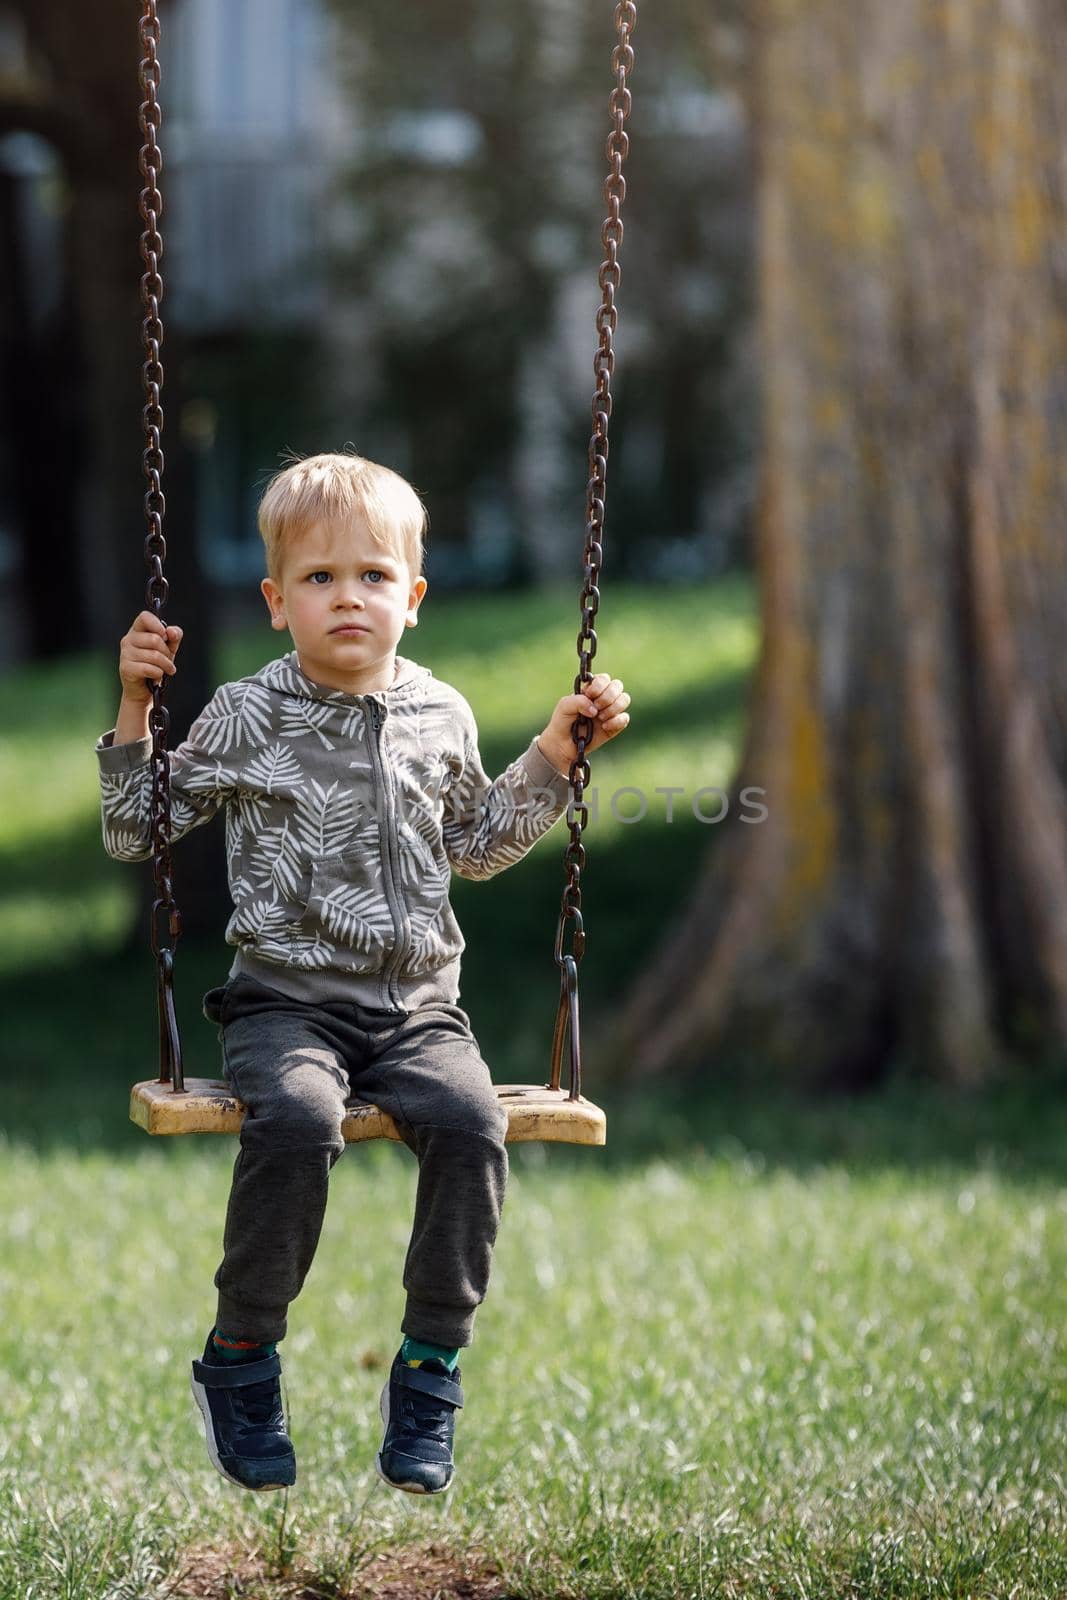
(618, 145)
(155, 548)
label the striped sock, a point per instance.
(231, 1347)
(413, 1352)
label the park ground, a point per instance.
(759, 1346)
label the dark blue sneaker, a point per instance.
(418, 1407)
(241, 1404)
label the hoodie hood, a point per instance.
(287, 675)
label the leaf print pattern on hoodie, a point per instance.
(346, 816)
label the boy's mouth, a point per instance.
(349, 627)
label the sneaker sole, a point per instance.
(408, 1488)
(200, 1396)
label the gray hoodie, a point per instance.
(345, 817)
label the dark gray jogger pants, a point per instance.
(294, 1066)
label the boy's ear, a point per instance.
(275, 603)
(414, 601)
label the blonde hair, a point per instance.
(333, 488)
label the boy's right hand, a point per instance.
(146, 653)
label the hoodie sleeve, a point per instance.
(200, 781)
(489, 824)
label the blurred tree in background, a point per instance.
(70, 365)
(74, 390)
(476, 205)
(908, 894)
(83, 366)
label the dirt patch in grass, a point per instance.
(410, 1572)
(217, 1573)
(433, 1571)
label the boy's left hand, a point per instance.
(603, 699)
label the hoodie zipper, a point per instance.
(390, 843)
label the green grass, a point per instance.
(757, 1347)
(708, 1375)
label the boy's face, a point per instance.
(334, 578)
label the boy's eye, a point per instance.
(372, 572)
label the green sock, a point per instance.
(413, 1352)
(231, 1347)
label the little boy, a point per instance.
(353, 786)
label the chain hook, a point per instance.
(567, 1026)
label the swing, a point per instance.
(171, 1104)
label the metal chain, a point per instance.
(155, 548)
(618, 146)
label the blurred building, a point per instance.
(260, 139)
(260, 136)
(263, 144)
(255, 131)
(255, 139)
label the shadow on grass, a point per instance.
(78, 1038)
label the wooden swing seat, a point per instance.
(208, 1105)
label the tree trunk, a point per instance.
(905, 902)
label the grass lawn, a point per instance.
(757, 1347)
(721, 1373)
